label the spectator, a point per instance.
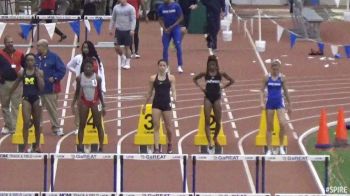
(11, 61)
(54, 70)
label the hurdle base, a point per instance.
(204, 150)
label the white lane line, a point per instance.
(179, 149)
(58, 146)
(230, 115)
(119, 92)
(245, 164)
(176, 123)
(119, 151)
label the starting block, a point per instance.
(17, 137)
(260, 139)
(144, 136)
(90, 139)
(200, 138)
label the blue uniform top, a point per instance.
(170, 13)
(274, 88)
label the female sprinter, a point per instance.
(212, 98)
(33, 82)
(88, 50)
(90, 97)
(161, 83)
(275, 82)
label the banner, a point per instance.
(25, 28)
(87, 25)
(98, 25)
(2, 28)
(279, 32)
(293, 39)
(50, 27)
(75, 25)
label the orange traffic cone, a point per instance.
(341, 135)
(323, 134)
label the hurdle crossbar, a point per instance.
(22, 193)
(153, 194)
(29, 156)
(232, 194)
(223, 157)
(78, 193)
(16, 17)
(81, 156)
(153, 157)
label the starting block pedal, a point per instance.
(200, 138)
(17, 137)
(90, 139)
(260, 138)
(144, 136)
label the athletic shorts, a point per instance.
(122, 38)
(274, 104)
(162, 106)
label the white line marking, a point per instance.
(119, 92)
(245, 164)
(295, 135)
(119, 151)
(58, 145)
(235, 133)
(229, 113)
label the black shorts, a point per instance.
(31, 99)
(122, 38)
(162, 106)
(212, 97)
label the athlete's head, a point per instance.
(29, 60)
(275, 66)
(88, 66)
(8, 42)
(212, 64)
(88, 50)
(162, 66)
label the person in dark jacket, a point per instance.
(54, 70)
(215, 11)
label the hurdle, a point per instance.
(101, 17)
(18, 18)
(154, 194)
(78, 194)
(81, 156)
(153, 157)
(29, 156)
(22, 193)
(294, 158)
(226, 157)
(58, 17)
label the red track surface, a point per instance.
(315, 87)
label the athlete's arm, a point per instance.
(181, 17)
(99, 82)
(40, 76)
(15, 85)
(286, 94)
(76, 94)
(149, 92)
(229, 79)
(262, 93)
(173, 86)
(196, 78)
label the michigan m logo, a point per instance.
(29, 81)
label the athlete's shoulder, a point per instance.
(153, 78)
(171, 77)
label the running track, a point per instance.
(315, 87)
